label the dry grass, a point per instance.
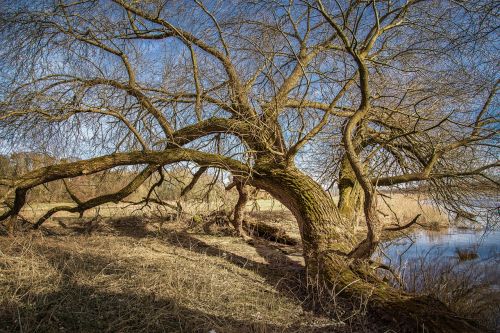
(133, 277)
(401, 209)
(466, 254)
(138, 274)
(469, 288)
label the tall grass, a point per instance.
(470, 288)
(401, 209)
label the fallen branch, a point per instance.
(262, 230)
(398, 228)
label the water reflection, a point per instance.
(441, 248)
(444, 243)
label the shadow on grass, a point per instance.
(92, 310)
(79, 307)
(278, 270)
(128, 226)
(287, 277)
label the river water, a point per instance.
(440, 248)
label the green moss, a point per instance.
(197, 219)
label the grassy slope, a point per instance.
(129, 279)
(129, 276)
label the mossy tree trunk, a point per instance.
(350, 194)
(327, 240)
(321, 227)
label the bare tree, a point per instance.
(407, 129)
(395, 87)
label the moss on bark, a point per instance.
(327, 238)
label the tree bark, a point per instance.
(239, 208)
(327, 242)
(321, 227)
(350, 194)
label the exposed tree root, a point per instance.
(401, 311)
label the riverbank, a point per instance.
(140, 273)
(460, 267)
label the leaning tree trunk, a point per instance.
(322, 229)
(327, 239)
